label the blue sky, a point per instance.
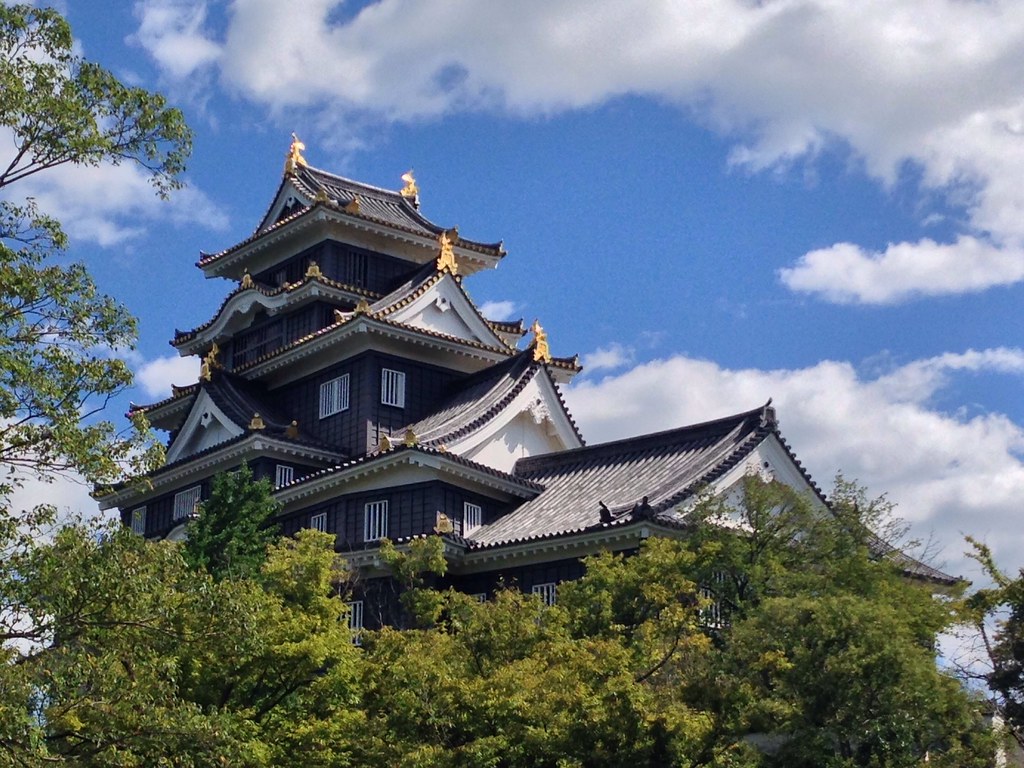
(712, 202)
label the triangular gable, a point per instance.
(534, 422)
(207, 425)
(288, 200)
(444, 307)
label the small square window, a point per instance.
(548, 592)
(334, 396)
(392, 388)
(375, 521)
(318, 522)
(185, 502)
(355, 621)
(472, 518)
(139, 521)
(284, 475)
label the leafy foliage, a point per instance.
(232, 530)
(59, 337)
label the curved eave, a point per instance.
(359, 323)
(214, 458)
(417, 455)
(230, 262)
(241, 299)
(386, 196)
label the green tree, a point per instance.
(58, 335)
(231, 531)
(116, 653)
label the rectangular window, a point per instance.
(392, 388)
(185, 502)
(472, 517)
(375, 521)
(334, 396)
(713, 614)
(548, 592)
(139, 521)
(284, 475)
(318, 522)
(355, 621)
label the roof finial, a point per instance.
(294, 157)
(353, 205)
(541, 351)
(446, 257)
(410, 190)
(443, 524)
(410, 439)
(313, 270)
(257, 422)
(209, 363)
(247, 281)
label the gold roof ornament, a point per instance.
(410, 438)
(257, 422)
(384, 444)
(209, 363)
(294, 157)
(541, 351)
(353, 205)
(443, 524)
(314, 270)
(362, 307)
(410, 190)
(339, 316)
(247, 281)
(446, 256)
(442, 448)
(322, 196)
(292, 430)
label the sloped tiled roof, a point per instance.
(664, 468)
(480, 398)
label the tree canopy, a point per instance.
(59, 336)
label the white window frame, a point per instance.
(283, 475)
(713, 615)
(355, 621)
(318, 522)
(185, 502)
(334, 396)
(548, 592)
(392, 387)
(375, 520)
(138, 520)
(472, 517)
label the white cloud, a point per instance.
(172, 32)
(950, 473)
(106, 204)
(608, 358)
(156, 376)
(499, 310)
(847, 274)
(934, 83)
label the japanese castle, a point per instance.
(350, 367)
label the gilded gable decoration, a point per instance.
(384, 444)
(339, 316)
(292, 430)
(362, 307)
(209, 363)
(353, 205)
(247, 281)
(410, 438)
(294, 157)
(410, 190)
(443, 524)
(322, 196)
(257, 422)
(314, 270)
(446, 256)
(541, 351)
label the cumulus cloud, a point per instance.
(156, 376)
(848, 274)
(932, 83)
(950, 474)
(608, 358)
(499, 310)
